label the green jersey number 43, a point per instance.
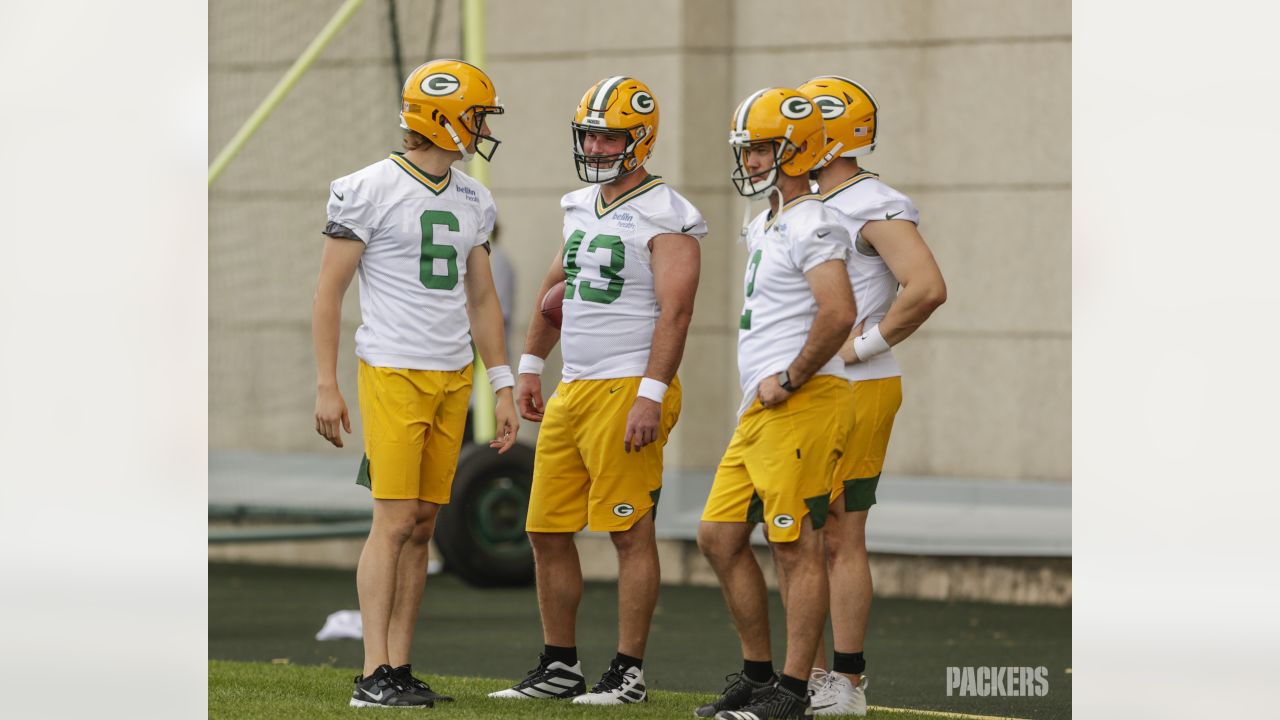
(610, 272)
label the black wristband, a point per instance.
(784, 379)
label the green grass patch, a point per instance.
(253, 691)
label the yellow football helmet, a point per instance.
(617, 104)
(849, 112)
(445, 101)
(788, 120)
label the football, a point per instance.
(551, 304)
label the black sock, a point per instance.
(796, 686)
(759, 671)
(626, 661)
(566, 655)
(849, 663)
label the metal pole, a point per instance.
(282, 88)
(484, 423)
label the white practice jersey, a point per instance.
(779, 308)
(610, 309)
(418, 231)
(859, 200)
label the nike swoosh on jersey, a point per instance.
(335, 194)
(887, 216)
(687, 229)
(822, 235)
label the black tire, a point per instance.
(481, 533)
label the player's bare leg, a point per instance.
(393, 524)
(850, 572)
(559, 578)
(411, 577)
(559, 575)
(727, 547)
(639, 576)
(804, 563)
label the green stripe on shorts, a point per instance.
(819, 506)
(860, 493)
(755, 509)
(362, 476)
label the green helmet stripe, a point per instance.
(606, 88)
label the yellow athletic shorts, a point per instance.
(780, 462)
(414, 421)
(582, 474)
(875, 404)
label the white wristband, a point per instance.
(500, 377)
(869, 344)
(531, 364)
(652, 389)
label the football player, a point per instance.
(888, 253)
(416, 230)
(796, 411)
(629, 262)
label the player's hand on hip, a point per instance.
(331, 413)
(529, 396)
(771, 393)
(846, 352)
(642, 424)
(506, 424)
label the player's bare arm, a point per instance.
(923, 289)
(337, 267)
(541, 338)
(836, 314)
(485, 314)
(676, 261)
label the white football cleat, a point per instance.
(832, 694)
(618, 686)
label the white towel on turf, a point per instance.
(342, 625)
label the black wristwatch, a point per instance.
(784, 379)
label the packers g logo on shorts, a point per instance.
(830, 106)
(783, 522)
(440, 84)
(624, 510)
(797, 108)
(642, 102)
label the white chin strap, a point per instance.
(604, 174)
(831, 155)
(746, 207)
(457, 141)
(757, 189)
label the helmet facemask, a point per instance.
(754, 185)
(618, 165)
(473, 119)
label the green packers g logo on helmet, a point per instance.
(796, 108)
(440, 84)
(642, 102)
(830, 106)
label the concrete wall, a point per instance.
(975, 126)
